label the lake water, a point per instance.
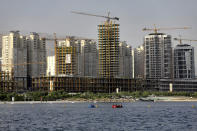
(175, 116)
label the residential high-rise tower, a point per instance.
(184, 62)
(108, 40)
(14, 54)
(36, 55)
(139, 62)
(66, 58)
(158, 56)
(125, 60)
(87, 58)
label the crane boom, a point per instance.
(180, 40)
(174, 28)
(155, 29)
(107, 17)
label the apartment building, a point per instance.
(87, 58)
(125, 60)
(50, 66)
(36, 55)
(14, 54)
(138, 57)
(184, 67)
(66, 57)
(158, 56)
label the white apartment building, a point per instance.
(14, 54)
(36, 55)
(50, 66)
(158, 56)
(125, 60)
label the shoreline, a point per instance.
(172, 99)
(155, 99)
(69, 101)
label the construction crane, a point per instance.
(53, 39)
(155, 29)
(107, 17)
(181, 39)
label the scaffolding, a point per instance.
(65, 60)
(108, 39)
(6, 82)
(9, 83)
(86, 84)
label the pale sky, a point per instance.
(48, 16)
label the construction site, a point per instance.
(86, 84)
(158, 64)
(108, 49)
(65, 58)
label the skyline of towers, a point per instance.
(157, 49)
(76, 57)
(23, 55)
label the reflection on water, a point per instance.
(77, 116)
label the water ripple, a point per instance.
(176, 116)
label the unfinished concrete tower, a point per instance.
(108, 40)
(66, 59)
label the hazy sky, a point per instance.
(50, 16)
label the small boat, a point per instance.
(117, 106)
(146, 99)
(92, 106)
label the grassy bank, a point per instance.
(61, 95)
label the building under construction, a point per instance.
(9, 83)
(86, 84)
(65, 57)
(108, 40)
(109, 85)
